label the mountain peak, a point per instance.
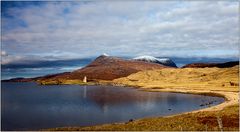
(145, 57)
(104, 54)
(163, 61)
(109, 68)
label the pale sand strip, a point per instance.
(231, 98)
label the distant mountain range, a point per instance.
(219, 65)
(47, 63)
(107, 67)
(179, 61)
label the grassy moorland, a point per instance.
(213, 81)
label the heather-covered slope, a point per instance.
(105, 68)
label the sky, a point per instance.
(66, 30)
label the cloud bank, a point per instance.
(130, 28)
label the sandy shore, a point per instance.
(210, 81)
(222, 82)
(231, 98)
(194, 120)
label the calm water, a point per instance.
(27, 106)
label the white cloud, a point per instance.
(11, 59)
(3, 53)
(156, 28)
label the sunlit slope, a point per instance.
(226, 79)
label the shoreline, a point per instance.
(231, 103)
(203, 81)
(230, 99)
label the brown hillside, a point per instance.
(219, 65)
(108, 68)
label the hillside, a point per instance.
(206, 81)
(219, 65)
(226, 79)
(103, 68)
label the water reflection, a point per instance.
(172, 99)
(27, 106)
(85, 91)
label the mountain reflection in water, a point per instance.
(28, 106)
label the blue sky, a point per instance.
(64, 30)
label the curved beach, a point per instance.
(205, 81)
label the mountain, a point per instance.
(46, 63)
(162, 61)
(107, 67)
(219, 65)
(21, 79)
